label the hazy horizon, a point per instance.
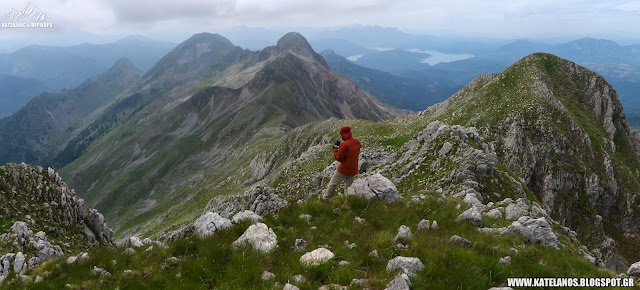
(97, 21)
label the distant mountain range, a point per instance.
(15, 92)
(40, 130)
(35, 69)
(399, 91)
(193, 112)
(618, 63)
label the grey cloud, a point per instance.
(151, 11)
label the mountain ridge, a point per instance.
(592, 156)
(49, 120)
(239, 94)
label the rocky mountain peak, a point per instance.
(209, 38)
(296, 43)
(293, 40)
(582, 87)
(561, 129)
(123, 65)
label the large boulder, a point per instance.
(209, 223)
(404, 233)
(259, 236)
(374, 187)
(246, 215)
(472, 216)
(135, 242)
(95, 222)
(316, 257)
(400, 282)
(634, 270)
(409, 265)
(19, 263)
(5, 265)
(460, 241)
(516, 210)
(537, 231)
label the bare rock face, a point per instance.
(261, 199)
(259, 236)
(95, 221)
(374, 187)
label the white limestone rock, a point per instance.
(209, 223)
(245, 215)
(316, 257)
(409, 265)
(259, 236)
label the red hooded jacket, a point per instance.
(347, 153)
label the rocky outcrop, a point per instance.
(536, 231)
(33, 248)
(561, 129)
(261, 199)
(38, 197)
(374, 187)
(37, 200)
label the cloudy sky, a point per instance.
(95, 20)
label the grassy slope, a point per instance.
(213, 263)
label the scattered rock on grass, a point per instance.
(471, 216)
(409, 265)
(460, 241)
(424, 225)
(316, 257)
(260, 236)
(400, 282)
(404, 233)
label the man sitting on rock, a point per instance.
(347, 153)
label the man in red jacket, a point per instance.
(347, 153)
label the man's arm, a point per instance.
(341, 153)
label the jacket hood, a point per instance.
(345, 132)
